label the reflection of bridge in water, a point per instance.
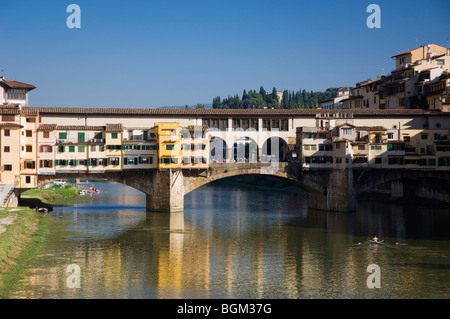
(330, 189)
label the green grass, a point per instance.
(52, 196)
(19, 244)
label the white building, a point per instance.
(14, 92)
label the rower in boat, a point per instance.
(376, 241)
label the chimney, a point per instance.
(2, 78)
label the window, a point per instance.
(440, 62)
(395, 161)
(7, 133)
(92, 148)
(29, 148)
(378, 160)
(6, 149)
(29, 165)
(114, 161)
(424, 136)
(28, 133)
(45, 163)
(223, 125)
(45, 148)
(114, 135)
(338, 160)
(431, 162)
(361, 147)
(170, 147)
(406, 139)
(7, 167)
(169, 160)
(390, 136)
(27, 179)
(254, 124)
(71, 148)
(30, 120)
(8, 117)
(81, 149)
(113, 147)
(62, 135)
(236, 125)
(266, 125)
(245, 124)
(347, 131)
(46, 134)
(275, 124)
(284, 125)
(338, 146)
(375, 147)
(81, 137)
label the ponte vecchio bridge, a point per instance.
(332, 154)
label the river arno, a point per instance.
(239, 242)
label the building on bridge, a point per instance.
(392, 146)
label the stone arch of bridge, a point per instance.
(273, 170)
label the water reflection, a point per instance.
(234, 242)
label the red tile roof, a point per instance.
(201, 113)
(18, 85)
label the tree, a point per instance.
(200, 106)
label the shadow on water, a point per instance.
(382, 219)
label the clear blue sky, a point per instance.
(160, 53)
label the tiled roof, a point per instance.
(18, 85)
(9, 106)
(47, 127)
(224, 112)
(9, 111)
(79, 128)
(9, 124)
(370, 128)
(193, 128)
(114, 127)
(29, 112)
(52, 127)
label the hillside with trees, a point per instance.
(252, 99)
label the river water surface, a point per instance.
(239, 242)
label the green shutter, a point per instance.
(56, 162)
(76, 162)
(125, 160)
(137, 160)
(389, 147)
(71, 148)
(80, 137)
(88, 162)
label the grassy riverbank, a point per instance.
(49, 196)
(22, 234)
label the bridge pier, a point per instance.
(337, 192)
(166, 193)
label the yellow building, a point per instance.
(113, 147)
(168, 140)
(28, 154)
(421, 53)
